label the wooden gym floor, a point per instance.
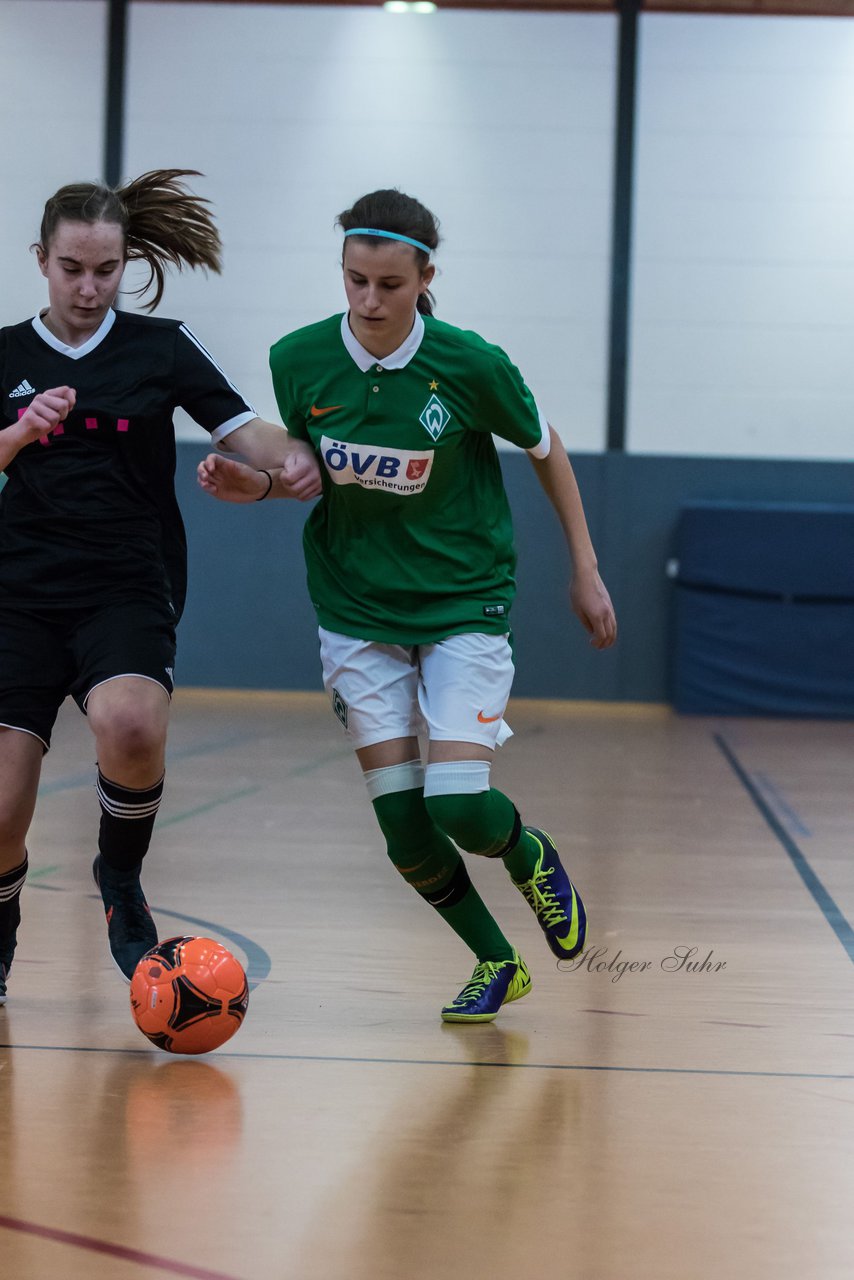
(618, 1124)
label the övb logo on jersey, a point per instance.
(401, 471)
(434, 417)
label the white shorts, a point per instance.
(453, 691)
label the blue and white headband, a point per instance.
(388, 235)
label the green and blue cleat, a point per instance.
(554, 900)
(493, 984)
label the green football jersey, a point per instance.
(412, 540)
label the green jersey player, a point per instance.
(411, 571)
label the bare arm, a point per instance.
(588, 595)
(42, 416)
(291, 463)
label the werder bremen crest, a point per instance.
(434, 417)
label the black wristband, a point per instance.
(269, 484)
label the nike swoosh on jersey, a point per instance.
(572, 937)
(318, 413)
(487, 719)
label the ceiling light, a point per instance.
(409, 6)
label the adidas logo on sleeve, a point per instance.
(22, 389)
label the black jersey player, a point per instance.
(92, 546)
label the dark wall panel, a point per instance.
(249, 623)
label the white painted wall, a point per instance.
(742, 319)
(51, 127)
(501, 123)
(743, 287)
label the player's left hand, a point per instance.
(300, 475)
(591, 604)
(230, 480)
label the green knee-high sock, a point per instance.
(486, 822)
(428, 861)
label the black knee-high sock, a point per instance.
(11, 884)
(127, 821)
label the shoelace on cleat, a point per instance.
(483, 975)
(544, 902)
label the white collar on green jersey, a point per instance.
(397, 360)
(75, 352)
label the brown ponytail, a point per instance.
(163, 223)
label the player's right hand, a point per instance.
(43, 414)
(300, 474)
(592, 606)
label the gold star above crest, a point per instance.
(434, 386)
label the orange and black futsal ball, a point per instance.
(189, 995)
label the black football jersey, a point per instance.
(89, 513)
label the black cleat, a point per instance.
(8, 943)
(130, 928)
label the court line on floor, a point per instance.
(825, 903)
(174, 818)
(258, 961)
(85, 778)
(771, 789)
(330, 757)
(223, 1057)
(93, 1245)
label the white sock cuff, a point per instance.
(10, 891)
(394, 777)
(457, 778)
